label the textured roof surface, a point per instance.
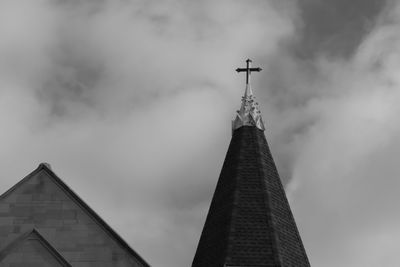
(249, 222)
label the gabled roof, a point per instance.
(249, 222)
(90, 212)
(33, 235)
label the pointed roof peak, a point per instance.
(44, 171)
(29, 236)
(249, 113)
(249, 222)
(45, 165)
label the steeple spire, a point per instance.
(249, 222)
(249, 114)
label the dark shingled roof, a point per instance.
(249, 222)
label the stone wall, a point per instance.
(43, 202)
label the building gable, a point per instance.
(31, 249)
(44, 202)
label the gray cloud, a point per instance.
(131, 102)
(344, 175)
(335, 27)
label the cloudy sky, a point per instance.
(131, 103)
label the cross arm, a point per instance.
(248, 69)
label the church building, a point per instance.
(43, 223)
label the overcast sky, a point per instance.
(131, 103)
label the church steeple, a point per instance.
(249, 222)
(249, 114)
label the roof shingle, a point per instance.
(249, 222)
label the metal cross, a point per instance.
(248, 70)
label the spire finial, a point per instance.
(248, 70)
(249, 114)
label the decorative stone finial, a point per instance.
(249, 114)
(46, 164)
